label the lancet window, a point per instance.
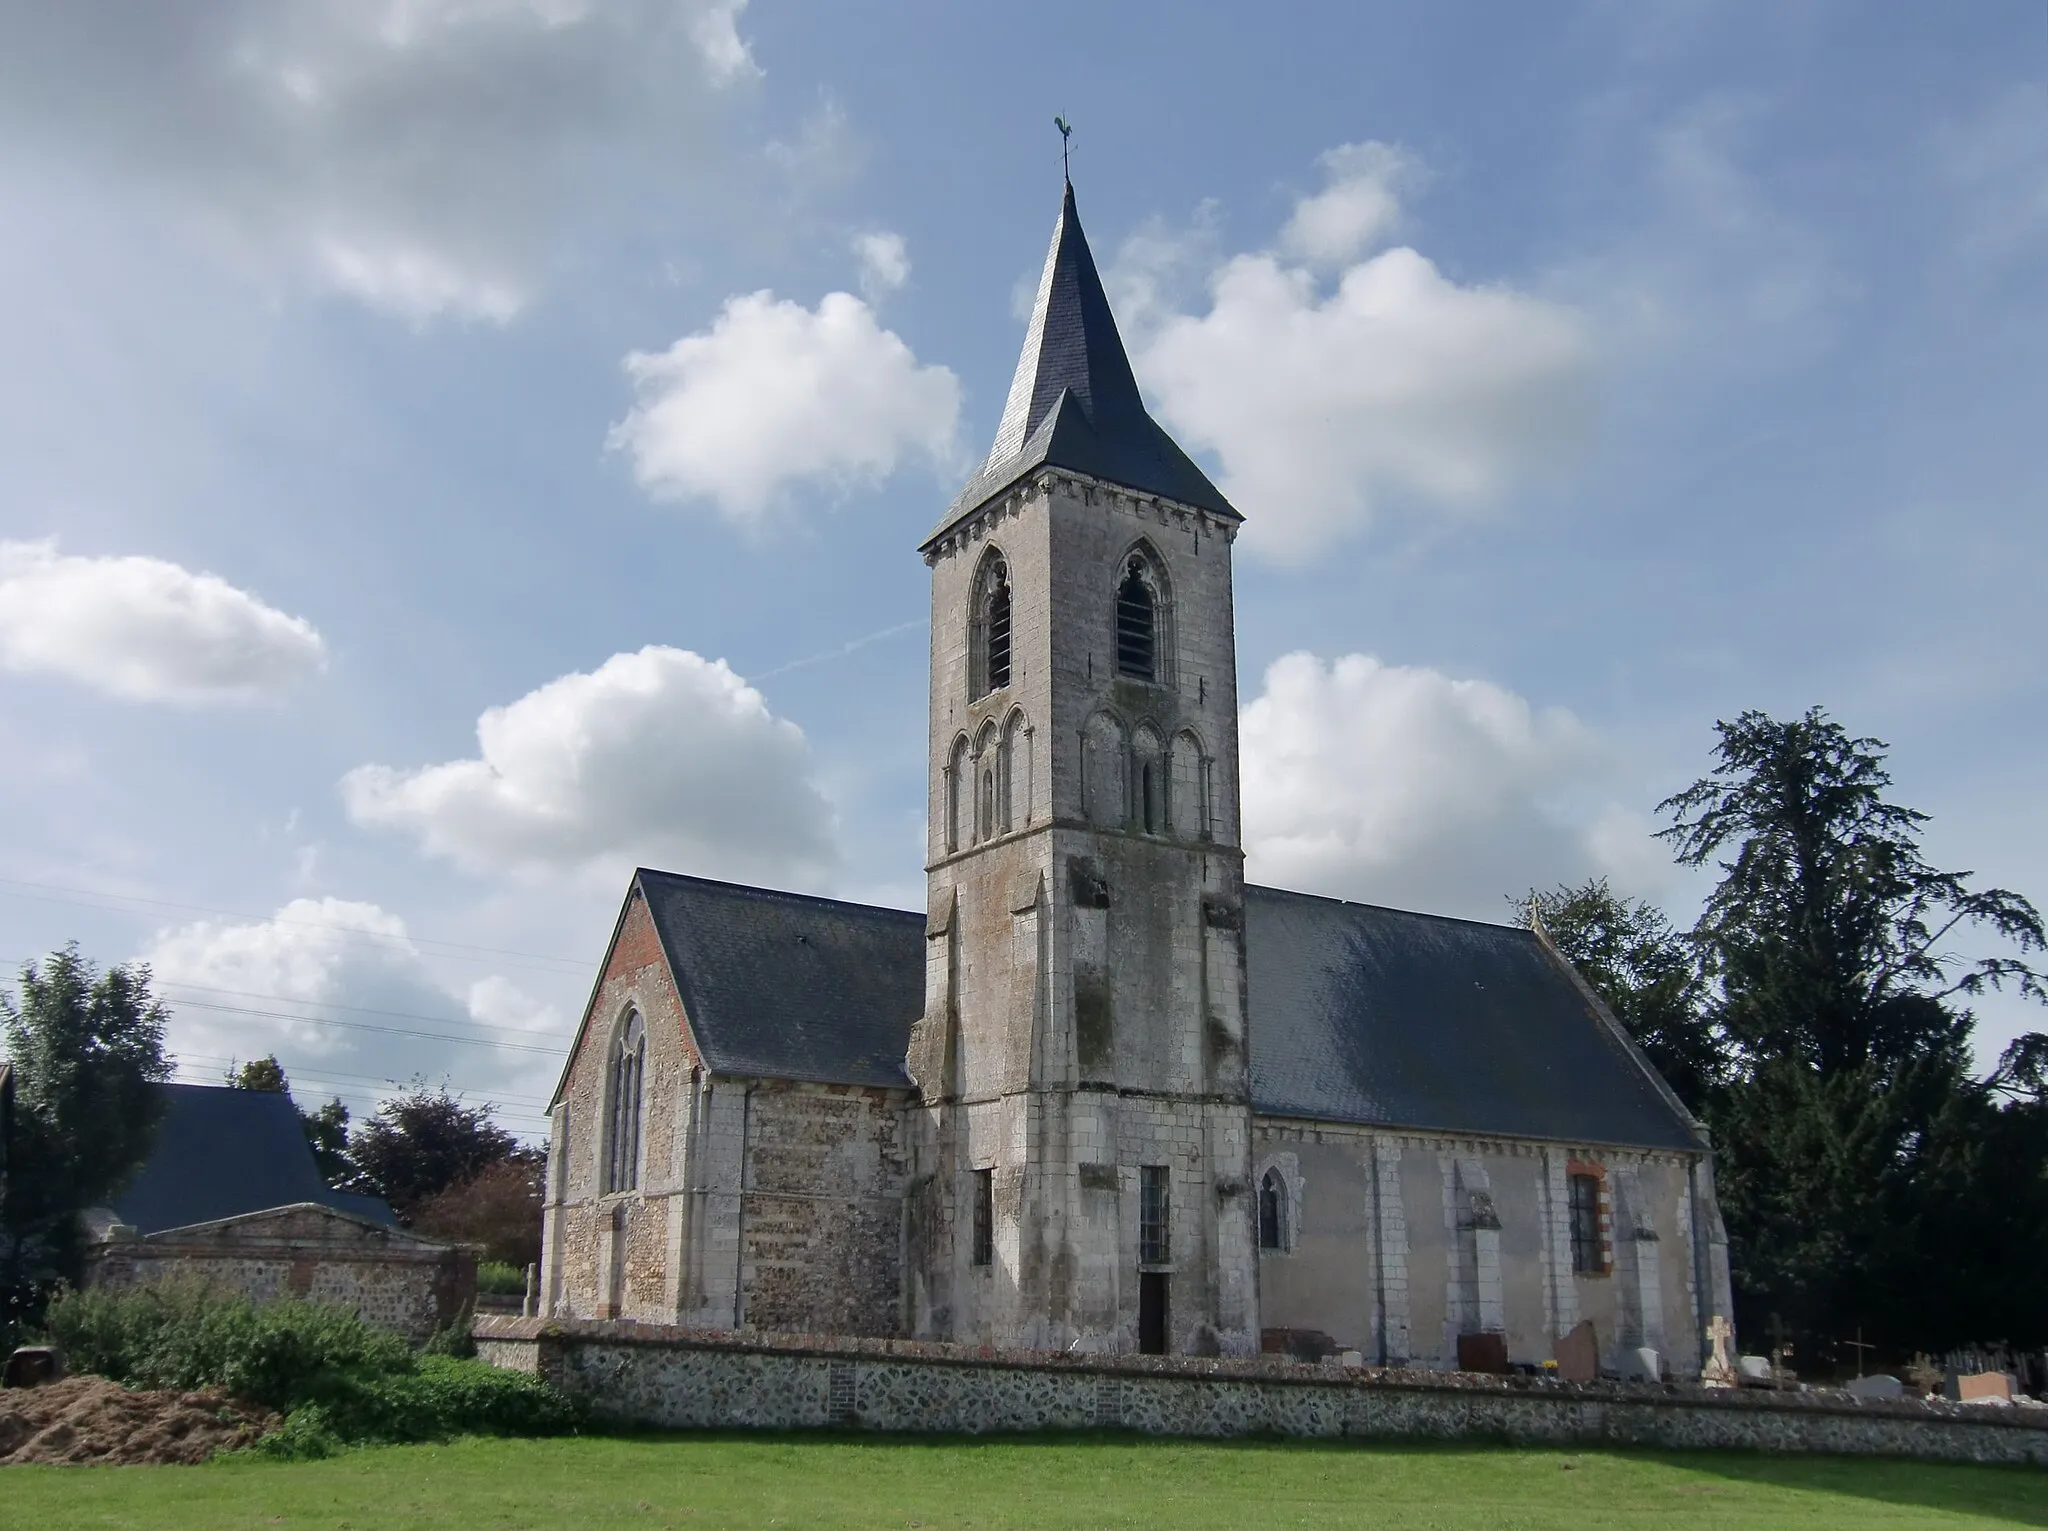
(625, 1081)
(1273, 1211)
(989, 627)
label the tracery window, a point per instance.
(624, 1078)
(989, 628)
(1272, 1211)
(1137, 622)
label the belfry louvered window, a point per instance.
(999, 634)
(989, 628)
(1137, 624)
(625, 1076)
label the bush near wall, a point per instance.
(336, 1380)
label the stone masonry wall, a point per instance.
(408, 1285)
(674, 1379)
(1381, 1252)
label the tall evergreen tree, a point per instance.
(1851, 1136)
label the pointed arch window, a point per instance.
(1137, 622)
(989, 630)
(624, 1079)
(1273, 1211)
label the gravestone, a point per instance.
(1645, 1365)
(1755, 1371)
(1720, 1368)
(1981, 1387)
(1578, 1354)
(1879, 1386)
(1483, 1353)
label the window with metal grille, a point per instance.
(625, 1072)
(985, 1217)
(1588, 1259)
(1137, 624)
(1272, 1211)
(1155, 1215)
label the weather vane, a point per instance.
(1066, 132)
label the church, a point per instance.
(1101, 1095)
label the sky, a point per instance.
(453, 451)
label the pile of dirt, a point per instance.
(92, 1420)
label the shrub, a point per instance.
(337, 1380)
(188, 1335)
(500, 1278)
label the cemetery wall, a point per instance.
(683, 1379)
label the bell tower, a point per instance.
(1083, 1129)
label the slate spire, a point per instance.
(1072, 344)
(1074, 402)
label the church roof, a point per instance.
(223, 1152)
(1365, 1014)
(1357, 1013)
(1074, 402)
(784, 986)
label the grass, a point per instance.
(710, 1480)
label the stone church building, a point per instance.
(1101, 1094)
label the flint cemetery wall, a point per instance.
(634, 1374)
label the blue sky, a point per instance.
(591, 368)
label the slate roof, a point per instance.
(1380, 1016)
(783, 986)
(1074, 402)
(223, 1152)
(1358, 1013)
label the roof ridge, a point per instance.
(760, 890)
(1413, 914)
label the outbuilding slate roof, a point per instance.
(224, 1152)
(1074, 402)
(1357, 1013)
(784, 986)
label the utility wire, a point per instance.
(87, 898)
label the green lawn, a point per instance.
(694, 1481)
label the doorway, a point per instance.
(1152, 1313)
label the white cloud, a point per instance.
(1396, 384)
(661, 757)
(423, 156)
(147, 629)
(884, 263)
(1404, 786)
(339, 992)
(1356, 212)
(774, 395)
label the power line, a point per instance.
(389, 1031)
(334, 1077)
(87, 898)
(178, 1003)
